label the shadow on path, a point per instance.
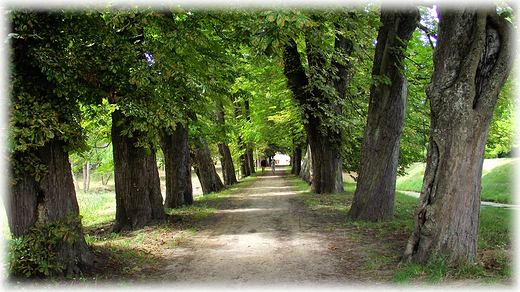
(257, 239)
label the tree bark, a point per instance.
(51, 198)
(226, 160)
(205, 169)
(327, 174)
(244, 161)
(175, 146)
(375, 192)
(296, 160)
(251, 160)
(324, 142)
(249, 151)
(136, 177)
(228, 168)
(472, 61)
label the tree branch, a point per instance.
(429, 34)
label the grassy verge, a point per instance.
(385, 241)
(497, 180)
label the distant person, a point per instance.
(263, 163)
(272, 165)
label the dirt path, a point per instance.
(257, 239)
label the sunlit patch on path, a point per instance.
(258, 240)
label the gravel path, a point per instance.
(257, 240)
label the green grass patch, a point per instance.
(96, 207)
(413, 179)
(438, 271)
(297, 183)
(497, 181)
(349, 187)
(496, 227)
(432, 273)
(498, 184)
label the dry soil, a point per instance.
(258, 238)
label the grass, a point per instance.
(495, 238)
(497, 185)
(413, 179)
(96, 207)
(496, 227)
(497, 180)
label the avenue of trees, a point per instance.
(358, 89)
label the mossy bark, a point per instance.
(45, 200)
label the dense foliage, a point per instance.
(159, 64)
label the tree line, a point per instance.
(365, 89)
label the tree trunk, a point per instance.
(104, 179)
(205, 169)
(47, 200)
(179, 190)
(244, 165)
(251, 160)
(138, 191)
(244, 161)
(52, 196)
(375, 192)
(75, 181)
(228, 168)
(226, 160)
(324, 142)
(86, 176)
(327, 174)
(472, 61)
(296, 160)
(305, 173)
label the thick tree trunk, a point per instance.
(176, 149)
(472, 61)
(205, 169)
(375, 192)
(47, 200)
(52, 197)
(138, 191)
(327, 174)
(324, 142)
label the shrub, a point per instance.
(34, 254)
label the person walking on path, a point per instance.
(272, 165)
(263, 163)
